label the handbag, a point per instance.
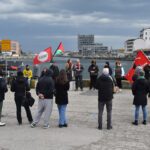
(28, 100)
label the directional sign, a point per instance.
(5, 45)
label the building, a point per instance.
(87, 46)
(15, 49)
(143, 42)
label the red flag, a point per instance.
(43, 56)
(14, 67)
(141, 60)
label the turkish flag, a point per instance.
(44, 56)
(141, 60)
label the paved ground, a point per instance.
(82, 133)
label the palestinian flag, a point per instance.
(60, 50)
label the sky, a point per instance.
(38, 24)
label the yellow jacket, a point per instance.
(27, 73)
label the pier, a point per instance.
(82, 132)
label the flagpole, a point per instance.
(54, 53)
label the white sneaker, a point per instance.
(120, 90)
(2, 124)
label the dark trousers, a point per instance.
(119, 84)
(100, 112)
(93, 80)
(77, 80)
(18, 101)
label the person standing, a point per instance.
(93, 70)
(27, 73)
(55, 70)
(119, 73)
(147, 74)
(108, 66)
(3, 90)
(68, 69)
(105, 95)
(78, 68)
(62, 87)
(140, 89)
(20, 86)
(44, 90)
(136, 72)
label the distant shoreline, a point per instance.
(80, 57)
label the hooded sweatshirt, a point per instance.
(45, 85)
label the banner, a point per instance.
(44, 56)
(141, 60)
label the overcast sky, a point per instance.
(38, 24)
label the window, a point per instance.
(145, 38)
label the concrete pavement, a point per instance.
(82, 133)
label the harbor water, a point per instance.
(61, 62)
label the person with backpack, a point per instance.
(20, 86)
(3, 90)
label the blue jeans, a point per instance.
(29, 80)
(62, 114)
(137, 108)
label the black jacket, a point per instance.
(95, 70)
(19, 86)
(45, 86)
(55, 71)
(105, 88)
(140, 89)
(3, 89)
(147, 72)
(61, 93)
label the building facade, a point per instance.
(143, 42)
(87, 46)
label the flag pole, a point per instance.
(55, 53)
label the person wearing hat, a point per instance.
(140, 89)
(3, 90)
(105, 86)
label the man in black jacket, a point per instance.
(105, 96)
(55, 70)
(3, 90)
(20, 86)
(44, 90)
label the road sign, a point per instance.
(5, 45)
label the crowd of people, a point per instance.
(55, 82)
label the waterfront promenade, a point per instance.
(82, 133)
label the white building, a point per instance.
(143, 42)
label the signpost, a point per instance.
(5, 47)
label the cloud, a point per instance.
(57, 19)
